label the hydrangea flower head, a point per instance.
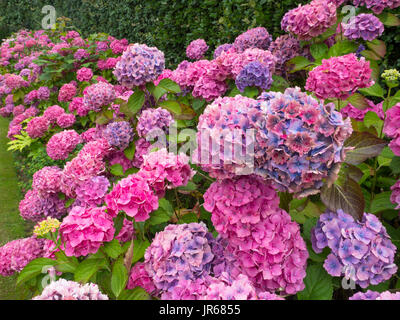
(360, 250)
(365, 26)
(196, 49)
(139, 64)
(62, 144)
(373, 295)
(47, 180)
(37, 127)
(153, 120)
(255, 74)
(92, 191)
(138, 277)
(84, 230)
(46, 226)
(67, 92)
(118, 134)
(98, 95)
(310, 20)
(253, 38)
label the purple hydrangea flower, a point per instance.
(254, 74)
(118, 134)
(222, 48)
(253, 38)
(365, 26)
(153, 119)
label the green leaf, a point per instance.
(159, 216)
(382, 202)
(188, 218)
(279, 84)
(166, 205)
(319, 50)
(318, 284)
(136, 101)
(342, 48)
(389, 19)
(117, 170)
(300, 63)
(345, 194)
(375, 91)
(169, 85)
(136, 294)
(119, 277)
(113, 249)
(371, 119)
(365, 144)
(172, 106)
(118, 223)
(395, 165)
(64, 263)
(139, 248)
(385, 158)
(250, 92)
(35, 268)
(378, 47)
(198, 104)
(130, 151)
(87, 268)
(358, 101)
(234, 92)
(102, 119)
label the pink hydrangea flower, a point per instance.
(392, 122)
(53, 112)
(66, 120)
(92, 191)
(138, 277)
(127, 232)
(84, 230)
(339, 77)
(134, 196)
(67, 92)
(62, 144)
(37, 127)
(196, 49)
(47, 180)
(98, 95)
(84, 74)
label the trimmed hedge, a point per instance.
(169, 25)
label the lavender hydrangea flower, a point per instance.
(360, 250)
(373, 295)
(196, 49)
(153, 119)
(253, 38)
(139, 64)
(365, 26)
(222, 48)
(92, 192)
(118, 134)
(254, 74)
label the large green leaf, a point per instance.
(172, 106)
(119, 277)
(318, 284)
(319, 50)
(365, 144)
(87, 268)
(35, 268)
(389, 19)
(375, 91)
(64, 263)
(135, 294)
(139, 249)
(382, 202)
(113, 249)
(169, 85)
(136, 101)
(342, 48)
(300, 63)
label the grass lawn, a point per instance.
(12, 226)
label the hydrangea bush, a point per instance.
(254, 171)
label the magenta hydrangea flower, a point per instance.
(53, 112)
(395, 197)
(164, 169)
(77, 105)
(15, 255)
(284, 48)
(92, 191)
(37, 127)
(66, 120)
(142, 147)
(373, 295)
(139, 64)
(13, 130)
(339, 77)
(298, 140)
(43, 93)
(17, 110)
(138, 277)
(70, 290)
(134, 196)
(222, 48)
(196, 49)
(180, 251)
(98, 95)
(30, 97)
(360, 250)
(152, 121)
(47, 180)
(255, 74)
(127, 232)
(37, 206)
(118, 134)
(84, 74)
(365, 26)
(391, 127)
(377, 6)
(62, 144)
(187, 290)
(263, 242)
(310, 20)
(250, 55)
(84, 230)
(67, 92)
(118, 157)
(357, 114)
(253, 38)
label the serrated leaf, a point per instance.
(345, 194)
(382, 202)
(139, 249)
(117, 169)
(129, 152)
(342, 48)
(87, 268)
(172, 106)
(34, 268)
(300, 63)
(137, 293)
(389, 19)
(169, 85)
(113, 249)
(119, 277)
(375, 91)
(371, 119)
(365, 144)
(157, 217)
(136, 101)
(64, 263)
(319, 50)
(378, 47)
(370, 55)
(358, 101)
(166, 205)
(318, 284)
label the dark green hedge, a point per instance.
(169, 25)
